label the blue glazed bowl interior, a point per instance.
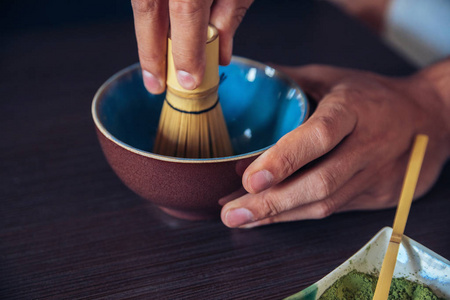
(259, 104)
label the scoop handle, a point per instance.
(401, 216)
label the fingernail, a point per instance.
(238, 216)
(260, 181)
(186, 80)
(251, 225)
(152, 84)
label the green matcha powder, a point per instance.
(360, 286)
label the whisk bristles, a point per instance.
(192, 123)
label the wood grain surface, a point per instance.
(69, 229)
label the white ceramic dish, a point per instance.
(414, 262)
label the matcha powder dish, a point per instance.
(360, 286)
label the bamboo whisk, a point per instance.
(191, 123)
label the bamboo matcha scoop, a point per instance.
(401, 216)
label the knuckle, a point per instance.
(231, 14)
(190, 61)
(325, 209)
(325, 129)
(185, 7)
(270, 205)
(287, 159)
(150, 58)
(324, 133)
(144, 6)
(348, 92)
(183, 55)
(323, 184)
(239, 14)
(230, 22)
(384, 197)
(386, 200)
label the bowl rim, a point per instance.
(131, 68)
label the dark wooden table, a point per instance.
(70, 229)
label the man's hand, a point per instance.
(188, 21)
(351, 154)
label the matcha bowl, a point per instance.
(259, 104)
(415, 263)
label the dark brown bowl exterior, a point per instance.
(263, 105)
(187, 190)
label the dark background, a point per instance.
(23, 15)
(297, 21)
(69, 229)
